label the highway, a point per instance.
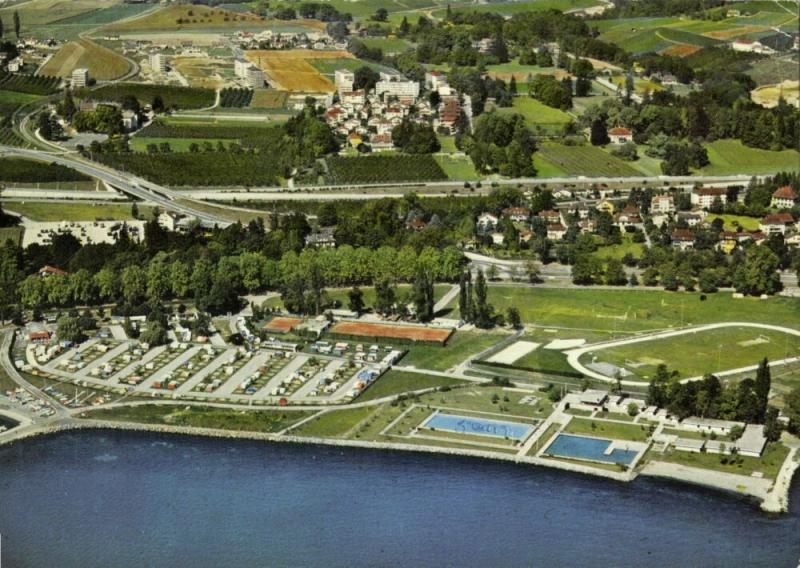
(127, 183)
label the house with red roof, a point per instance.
(620, 135)
(777, 223)
(784, 198)
(47, 271)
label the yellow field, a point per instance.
(38, 12)
(102, 63)
(767, 96)
(681, 50)
(290, 70)
(202, 72)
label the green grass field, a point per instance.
(733, 222)
(458, 168)
(537, 114)
(696, 354)
(603, 429)
(10, 101)
(461, 346)
(769, 463)
(636, 310)
(388, 45)
(140, 143)
(334, 424)
(12, 233)
(618, 251)
(582, 160)
(74, 211)
(203, 417)
(397, 382)
(729, 157)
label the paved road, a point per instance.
(127, 183)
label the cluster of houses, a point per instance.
(370, 117)
(269, 39)
(31, 51)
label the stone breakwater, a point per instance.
(776, 501)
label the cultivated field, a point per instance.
(38, 12)
(538, 114)
(695, 354)
(732, 157)
(521, 73)
(184, 16)
(291, 71)
(102, 63)
(584, 160)
(269, 99)
(389, 331)
(47, 212)
(383, 168)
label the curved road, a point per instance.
(574, 355)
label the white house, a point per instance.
(487, 222)
(620, 135)
(705, 196)
(784, 198)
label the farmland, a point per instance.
(38, 12)
(173, 97)
(30, 171)
(458, 168)
(636, 310)
(10, 101)
(584, 160)
(291, 71)
(235, 98)
(701, 352)
(45, 212)
(733, 157)
(383, 169)
(521, 73)
(102, 63)
(391, 332)
(28, 84)
(269, 99)
(511, 8)
(189, 17)
(10, 138)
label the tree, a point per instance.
(356, 300)
(758, 273)
(380, 15)
(598, 135)
(70, 329)
(158, 104)
(514, 318)
(772, 430)
(792, 409)
(385, 297)
(365, 78)
(134, 210)
(17, 24)
(533, 272)
(483, 311)
(465, 296)
(1, 28)
(763, 383)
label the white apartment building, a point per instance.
(344, 80)
(80, 78)
(394, 85)
(158, 63)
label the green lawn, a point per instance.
(458, 168)
(730, 157)
(538, 114)
(618, 251)
(545, 360)
(13, 233)
(388, 45)
(733, 222)
(696, 354)
(75, 211)
(397, 382)
(462, 345)
(334, 424)
(603, 429)
(140, 143)
(769, 463)
(636, 310)
(203, 417)
(584, 160)
(448, 144)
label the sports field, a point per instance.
(102, 63)
(636, 310)
(733, 157)
(291, 71)
(390, 331)
(695, 354)
(584, 160)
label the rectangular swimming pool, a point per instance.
(593, 449)
(478, 426)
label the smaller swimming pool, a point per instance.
(593, 449)
(478, 426)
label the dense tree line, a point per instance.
(501, 143)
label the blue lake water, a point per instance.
(124, 499)
(581, 447)
(478, 426)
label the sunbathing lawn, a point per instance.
(769, 463)
(613, 430)
(203, 417)
(397, 382)
(730, 157)
(460, 346)
(635, 309)
(696, 354)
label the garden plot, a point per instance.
(513, 352)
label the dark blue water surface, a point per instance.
(109, 499)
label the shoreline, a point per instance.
(776, 501)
